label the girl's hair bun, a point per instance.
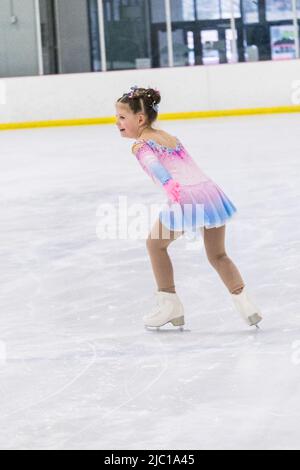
(149, 97)
(154, 95)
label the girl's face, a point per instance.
(129, 124)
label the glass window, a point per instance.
(128, 33)
(251, 11)
(163, 49)
(183, 47)
(216, 9)
(180, 48)
(277, 10)
(229, 35)
(158, 12)
(136, 33)
(191, 48)
(94, 35)
(115, 9)
(226, 8)
(48, 33)
(208, 9)
(210, 53)
(213, 48)
(183, 10)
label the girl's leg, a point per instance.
(157, 243)
(214, 241)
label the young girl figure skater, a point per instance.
(164, 158)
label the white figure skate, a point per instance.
(248, 310)
(169, 309)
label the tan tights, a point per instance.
(214, 241)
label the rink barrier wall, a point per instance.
(162, 117)
(76, 99)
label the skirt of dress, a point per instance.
(201, 205)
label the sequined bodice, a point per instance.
(176, 160)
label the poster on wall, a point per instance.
(283, 42)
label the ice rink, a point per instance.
(78, 370)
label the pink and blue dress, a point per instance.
(202, 202)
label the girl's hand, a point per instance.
(173, 190)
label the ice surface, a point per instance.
(77, 368)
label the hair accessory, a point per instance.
(132, 91)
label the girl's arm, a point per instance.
(152, 166)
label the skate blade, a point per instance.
(254, 320)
